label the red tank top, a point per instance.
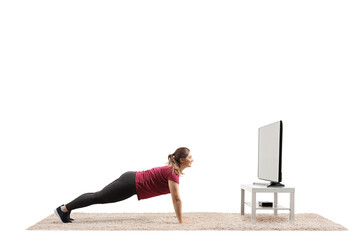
(154, 182)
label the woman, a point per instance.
(146, 184)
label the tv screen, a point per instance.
(269, 153)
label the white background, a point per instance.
(91, 89)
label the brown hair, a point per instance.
(174, 159)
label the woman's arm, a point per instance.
(175, 195)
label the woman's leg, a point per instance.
(120, 189)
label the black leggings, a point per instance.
(120, 189)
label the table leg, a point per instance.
(275, 203)
(292, 207)
(242, 201)
(253, 207)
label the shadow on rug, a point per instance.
(198, 221)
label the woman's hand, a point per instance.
(185, 222)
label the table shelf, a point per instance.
(279, 207)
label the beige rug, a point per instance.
(198, 221)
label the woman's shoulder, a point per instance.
(166, 171)
(166, 168)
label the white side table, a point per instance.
(254, 205)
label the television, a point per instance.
(270, 153)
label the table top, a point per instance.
(264, 188)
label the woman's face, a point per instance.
(186, 162)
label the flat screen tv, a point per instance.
(270, 153)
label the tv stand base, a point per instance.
(276, 184)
